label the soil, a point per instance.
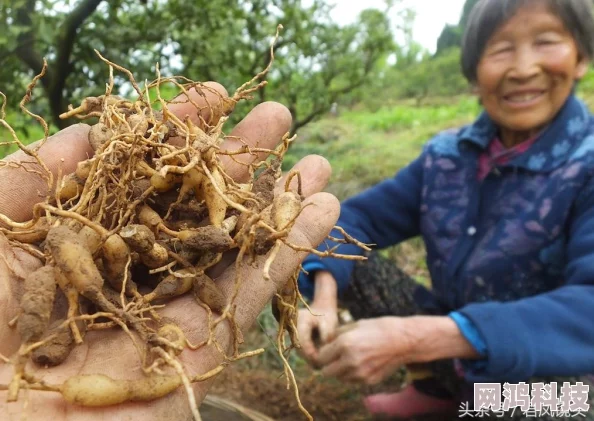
(260, 385)
(212, 413)
(266, 392)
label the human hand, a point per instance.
(368, 350)
(111, 352)
(319, 322)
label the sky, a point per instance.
(431, 17)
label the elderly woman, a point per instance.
(505, 207)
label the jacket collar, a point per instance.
(554, 145)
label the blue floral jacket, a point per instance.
(513, 254)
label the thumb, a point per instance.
(22, 187)
(327, 327)
(308, 330)
(320, 213)
(306, 338)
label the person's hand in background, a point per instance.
(370, 350)
(318, 326)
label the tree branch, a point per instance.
(56, 75)
(25, 49)
(64, 46)
(322, 108)
(68, 33)
(300, 123)
(367, 68)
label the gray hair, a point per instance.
(488, 15)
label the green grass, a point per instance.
(406, 116)
(365, 147)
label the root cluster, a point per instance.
(141, 222)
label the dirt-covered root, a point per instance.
(173, 285)
(36, 308)
(139, 237)
(78, 269)
(58, 343)
(206, 291)
(99, 390)
(144, 221)
(36, 304)
(285, 305)
(74, 260)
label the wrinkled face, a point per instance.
(527, 71)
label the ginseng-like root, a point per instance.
(143, 221)
(36, 308)
(58, 343)
(101, 390)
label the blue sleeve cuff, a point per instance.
(306, 280)
(475, 338)
(470, 332)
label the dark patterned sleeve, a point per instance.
(551, 334)
(382, 215)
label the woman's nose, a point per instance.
(526, 64)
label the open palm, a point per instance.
(111, 352)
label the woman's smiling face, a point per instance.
(527, 71)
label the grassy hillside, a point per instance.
(364, 147)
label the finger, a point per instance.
(304, 329)
(20, 189)
(308, 349)
(201, 103)
(264, 127)
(311, 227)
(377, 369)
(339, 330)
(376, 375)
(327, 329)
(315, 173)
(346, 328)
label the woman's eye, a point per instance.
(548, 38)
(545, 42)
(501, 50)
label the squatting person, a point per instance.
(505, 207)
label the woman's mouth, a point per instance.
(523, 99)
